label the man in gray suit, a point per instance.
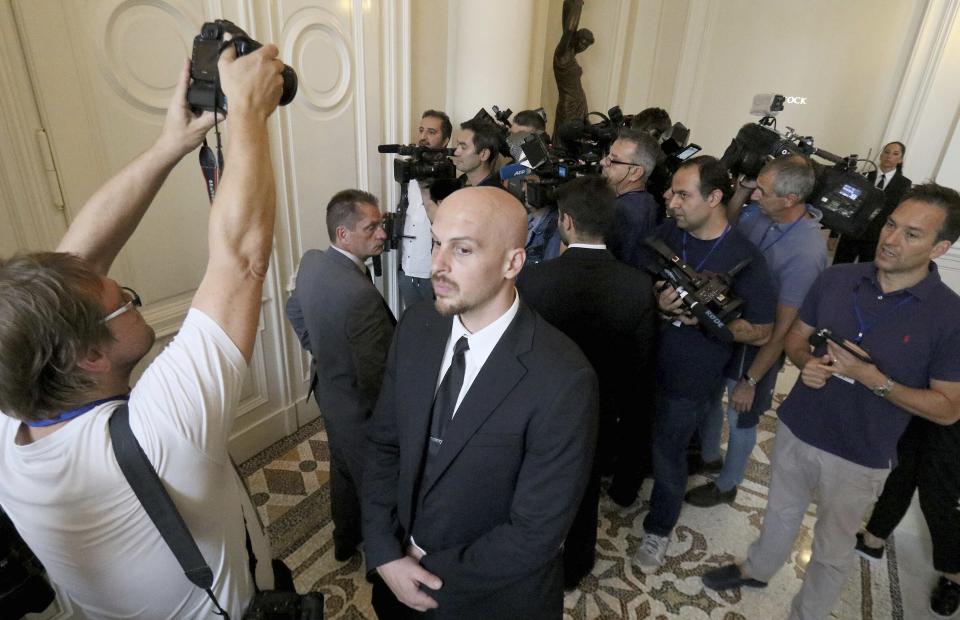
(342, 320)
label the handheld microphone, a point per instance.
(514, 171)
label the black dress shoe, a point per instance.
(729, 577)
(945, 599)
(866, 551)
(709, 495)
(344, 552)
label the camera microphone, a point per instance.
(514, 171)
(391, 148)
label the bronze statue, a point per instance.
(572, 100)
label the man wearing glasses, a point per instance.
(627, 166)
(71, 337)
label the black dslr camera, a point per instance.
(274, 605)
(705, 295)
(204, 92)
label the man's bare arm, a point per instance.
(750, 333)
(242, 216)
(110, 216)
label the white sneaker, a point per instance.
(650, 554)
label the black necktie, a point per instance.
(445, 401)
(883, 179)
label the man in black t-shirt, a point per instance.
(690, 362)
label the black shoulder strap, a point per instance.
(160, 508)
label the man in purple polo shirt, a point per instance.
(841, 423)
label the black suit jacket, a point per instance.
(498, 499)
(893, 193)
(607, 308)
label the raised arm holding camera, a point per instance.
(83, 335)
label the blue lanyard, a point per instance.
(864, 327)
(714, 247)
(785, 233)
(75, 413)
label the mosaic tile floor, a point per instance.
(288, 483)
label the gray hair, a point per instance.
(792, 175)
(646, 150)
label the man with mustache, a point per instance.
(481, 444)
(341, 319)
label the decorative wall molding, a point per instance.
(921, 72)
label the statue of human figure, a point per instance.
(572, 100)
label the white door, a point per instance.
(103, 72)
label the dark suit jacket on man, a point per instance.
(607, 308)
(342, 320)
(492, 508)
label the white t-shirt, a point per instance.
(416, 244)
(69, 500)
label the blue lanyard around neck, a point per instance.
(863, 326)
(785, 233)
(75, 413)
(712, 248)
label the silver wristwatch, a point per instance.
(883, 389)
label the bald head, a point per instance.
(479, 234)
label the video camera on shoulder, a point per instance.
(540, 170)
(849, 201)
(204, 92)
(422, 163)
(705, 295)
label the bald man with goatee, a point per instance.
(480, 447)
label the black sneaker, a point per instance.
(709, 495)
(728, 577)
(945, 598)
(872, 554)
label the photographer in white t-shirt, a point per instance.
(70, 338)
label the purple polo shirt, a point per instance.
(912, 336)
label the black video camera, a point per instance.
(849, 201)
(546, 169)
(424, 164)
(705, 295)
(204, 92)
(591, 141)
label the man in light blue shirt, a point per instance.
(786, 230)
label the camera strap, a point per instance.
(211, 166)
(149, 489)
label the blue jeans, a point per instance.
(676, 421)
(742, 440)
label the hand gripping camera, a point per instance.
(205, 93)
(705, 295)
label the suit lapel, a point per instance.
(423, 367)
(500, 374)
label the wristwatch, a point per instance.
(750, 380)
(883, 389)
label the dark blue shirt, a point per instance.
(912, 336)
(689, 361)
(634, 219)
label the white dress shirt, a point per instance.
(481, 345)
(417, 242)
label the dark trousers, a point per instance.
(850, 250)
(629, 438)
(931, 466)
(345, 441)
(579, 549)
(676, 422)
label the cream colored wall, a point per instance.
(704, 60)
(428, 44)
